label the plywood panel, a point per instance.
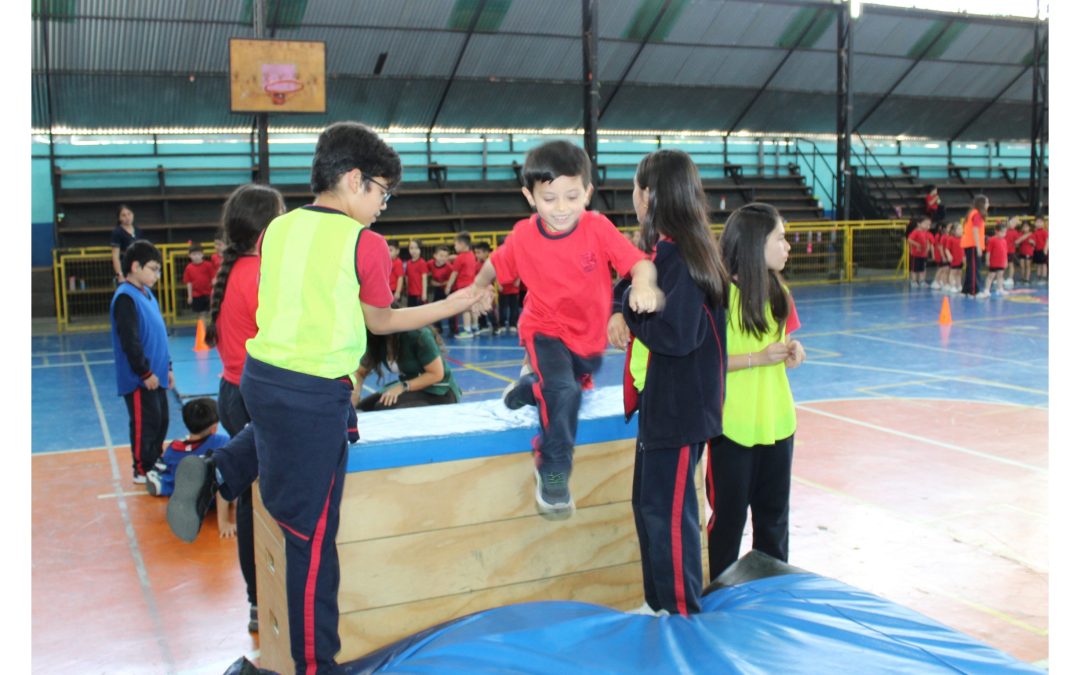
(421, 545)
(270, 582)
(405, 568)
(451, 494)
(361, 632)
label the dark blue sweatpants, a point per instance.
(666, 516)
(557, 395)
(296, 445)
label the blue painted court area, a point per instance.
(862, 341)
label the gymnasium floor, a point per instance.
(920, 474)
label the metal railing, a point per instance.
(823, 251)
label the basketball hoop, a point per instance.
(280, 89)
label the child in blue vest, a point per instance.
(141, 350)
(674, 376)
(201, 419)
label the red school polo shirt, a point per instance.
(201, 278)
(998, 250)
(465, 265)
(414, 277)
(569, 278)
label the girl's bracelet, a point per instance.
(750, 359)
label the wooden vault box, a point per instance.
(439, 525)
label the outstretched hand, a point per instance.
(473, 297)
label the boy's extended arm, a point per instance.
(384, 320)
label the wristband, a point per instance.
(404, 384)
(750, 359)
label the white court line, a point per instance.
(947, 378)
(923, 439)
(129, 529)
(70, 365)
(74, 353)
(117, 495)
(954, 352)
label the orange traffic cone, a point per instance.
(200, 337)
(945, 318)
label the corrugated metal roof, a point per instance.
(353, 51)
(665, 107)
(556, 17)
(990, 43)
(123, 63)
(548, 58)
(875, 74)
(740, 23)
(957, 80)
(201, 10)
(385, 13)
(807, 71)
(666, 64)
(885, 35)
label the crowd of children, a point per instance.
(952, 253)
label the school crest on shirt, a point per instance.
(588, 261)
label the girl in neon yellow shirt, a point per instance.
(750, 463)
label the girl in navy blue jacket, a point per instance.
(675, 363)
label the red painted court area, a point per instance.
(938, 505)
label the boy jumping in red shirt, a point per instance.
(564, 254)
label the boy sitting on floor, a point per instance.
(201, 419)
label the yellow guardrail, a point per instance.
(822, 252)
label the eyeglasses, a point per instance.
(152, 267)
(386, 190)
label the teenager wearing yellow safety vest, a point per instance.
(750, 463)
(323, 281)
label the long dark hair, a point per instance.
(381, 349)
(679, 209)
(246, 213)
(743, 247)
(120, 209)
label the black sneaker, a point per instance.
(520, 394)
(553, 500)
(253, 620)
(193, 492)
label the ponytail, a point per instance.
(246, 213)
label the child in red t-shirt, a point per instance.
(199, 278)
(997, 251)
(440, 271)
(956, 257)
(482, 251)
(941, 266)
(1012, 233)
(416, 276)
(509, 303)
(219, 249)
(1025, 249)
(564, 254)
(397, 271)
(1041, 237)
(463, 272)
(919, 243)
